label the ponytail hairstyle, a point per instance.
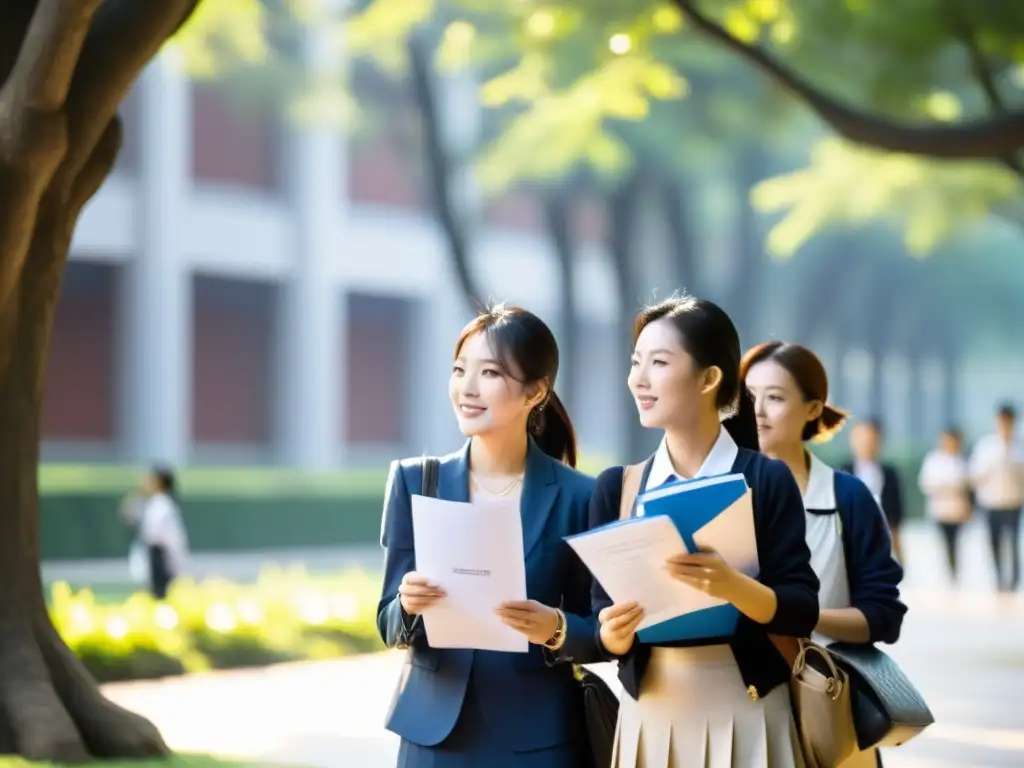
(709, 336)
(527, 350)
(811, 379)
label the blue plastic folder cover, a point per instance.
(691, 505)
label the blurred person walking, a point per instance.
(997, 473)
(160, 532)
(881, 478)
(944, 480)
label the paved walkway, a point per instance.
(964, 648)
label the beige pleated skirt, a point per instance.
(694, 712)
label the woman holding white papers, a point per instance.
(717, 700)
(851, 550)
(466, 708)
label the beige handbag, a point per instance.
(821, 702)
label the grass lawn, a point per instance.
(174, 761)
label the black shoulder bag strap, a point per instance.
(428, 485)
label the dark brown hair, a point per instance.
(527, 351)
(810, 377)
(709, 336)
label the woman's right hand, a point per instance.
(618, 626)
(417, 593)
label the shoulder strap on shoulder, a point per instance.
(631, 477)
(842, 514)
(428, 486)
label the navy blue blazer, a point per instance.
(892, 492)
(530, 701)
(781, 530)
(874, 575)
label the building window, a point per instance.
(377, 369)
(78, 398)
(233, 141)
(233, 337)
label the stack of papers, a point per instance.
(628, 557)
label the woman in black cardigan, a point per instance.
(720, 701)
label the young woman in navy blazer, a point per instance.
(464, 708)
(851, 551)
(724, 701)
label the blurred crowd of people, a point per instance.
(957, 483)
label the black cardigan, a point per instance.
(785, 563)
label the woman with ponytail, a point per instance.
(851, 549)
(721, 701)
(458, 708)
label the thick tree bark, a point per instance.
(66, 66)
(995, 137)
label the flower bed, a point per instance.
(285, 616)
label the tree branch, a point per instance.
(46, 63)
(97, 167)
(991, 138)
(125, 35)
(982, 72)
(33, 130)
(439, 172)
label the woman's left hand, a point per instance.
(706, 571)
(535, 620)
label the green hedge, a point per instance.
(84, 526)
(246, 509)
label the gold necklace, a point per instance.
(492, 493)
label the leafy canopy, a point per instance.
(593, 82)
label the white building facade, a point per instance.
(315, 249)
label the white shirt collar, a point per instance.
(821, 488)
(718, 462)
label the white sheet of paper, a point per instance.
(731, 534)
(629, 562)
(475, 552)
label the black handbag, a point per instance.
(887, 709)
(600, 712)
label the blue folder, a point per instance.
(690, 511)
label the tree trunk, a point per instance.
(557, 218)
(683, 261)
(440, 171)
(51, 707)
(950, 356)
(748, 288)
(65, 70)
(623, 216)
(916, 399)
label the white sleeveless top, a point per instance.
(825, 539)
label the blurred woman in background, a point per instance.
(160, 550)
(945, 481)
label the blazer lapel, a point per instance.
(453, 477)
(540, 491)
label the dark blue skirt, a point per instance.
(472, 744)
